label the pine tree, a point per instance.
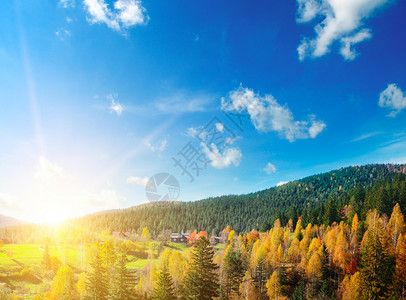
(201, 278)
(123, 280)
(234, 269)
(331, 213)
(299, 293)
(375, 270)
(164, 286)
(97, 281)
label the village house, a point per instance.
(122, 235)
(180, 238)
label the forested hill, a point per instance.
(8, 221)
(318, 199)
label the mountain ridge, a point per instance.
(247, 211)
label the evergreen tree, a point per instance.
(299, 293)
(376, 270)
(97, 284)
(201, 278)
(123, 280)
(164, 289)
(234, 269)
(331, 212)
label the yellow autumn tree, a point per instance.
(81, 285)
(273, 286)
(294, 251)
(298, 229)
(177, 269)
(396, 225)
(145, 236)
(63, 286)
(400, 269)
(350, 287)
(248, 290)
(355, 223)
(313, 270)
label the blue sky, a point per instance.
(97, 96)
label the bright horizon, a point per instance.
(98, 96)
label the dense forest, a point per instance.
(364, 187)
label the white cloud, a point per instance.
(138, 180)
(316, 128)
(115, 107)
(394, 98)
(270, 168)
(346, 49)
(307, 10)
(130, 12)
(67, 3)
(62, 33)
(160, 148)
(282, 183)
(343, 21)
(222, 160)
(47, 170)
(126, 13)
(268, 115)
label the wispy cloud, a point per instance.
(394, 98)
(342, 21)
(157, 148)
(62, 33)
(67, 3)
(123, 15)
(270, 168)
(268, 115)
(138, 180)
(366, 136)
(183, 103)
(282, 183)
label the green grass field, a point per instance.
(7, 264)
(32, 255)
(27, 254)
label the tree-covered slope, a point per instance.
(306, 197)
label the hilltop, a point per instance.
(8, 221)
(306, 197)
